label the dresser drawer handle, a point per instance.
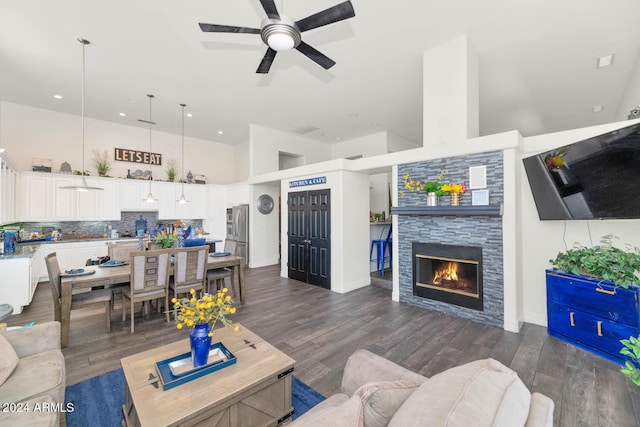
(599, 328)
(572, 321)
(604, 291)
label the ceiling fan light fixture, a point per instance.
(280, 35)
(280, 42)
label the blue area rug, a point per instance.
(98, 401)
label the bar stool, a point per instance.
(381, 246)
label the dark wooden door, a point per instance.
(310, 237)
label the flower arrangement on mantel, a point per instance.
(207, 308)
(437, 186)
(434, 186)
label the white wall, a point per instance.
(631, 94)
(366, 146)
(265, 145)
(542, 240)
(29, 132)
(264, 228)
(398, 143)
(349, 227)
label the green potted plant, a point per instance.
(604, 262)
(631, 349)
(101, 161)
(171, 170)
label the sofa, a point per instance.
(32, 376)
(377, 392)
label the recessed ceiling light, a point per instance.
(189, 115)
(220, 132)
(337, 138)
(374, 124)
(57, 96)
(353, 115)
(132, 101)
(605, 61)
(597, 108)
(122, 114)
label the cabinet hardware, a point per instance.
(604, 291)
(572, 321)
(599, 328)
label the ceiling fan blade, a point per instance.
(213, 28)
(265, 64)
(315, 56)
(269, 6)
(336, 13)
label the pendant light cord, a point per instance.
(150, 125)
(84, 126)
(182, 170)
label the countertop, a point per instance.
(27, 249)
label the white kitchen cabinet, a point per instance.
(63, 199)
(17, 283)
(8, 183)
(198, 194)
(132, 193)
(110, 200)
(167, 205)
(36, 197)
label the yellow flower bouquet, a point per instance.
(166, 240)
(207, 309)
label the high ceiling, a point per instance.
(537, 62)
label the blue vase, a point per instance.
(200, 343)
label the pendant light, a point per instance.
(150, 198)
(182, 198)
(83, 185)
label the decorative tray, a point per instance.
(179, 369)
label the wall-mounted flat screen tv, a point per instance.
(596, 178)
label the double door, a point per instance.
(309, 239)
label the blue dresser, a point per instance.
(591, 314)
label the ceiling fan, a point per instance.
(280, 33)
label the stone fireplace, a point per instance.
(448, 273)
(471, 237)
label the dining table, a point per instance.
(107, 275)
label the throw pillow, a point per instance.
(8, 359)
(480, 393)
(380, 400)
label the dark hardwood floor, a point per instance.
(320, 329)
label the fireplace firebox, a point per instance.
(448, 273)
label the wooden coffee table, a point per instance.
(255, 391)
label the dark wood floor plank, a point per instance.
(320, 329)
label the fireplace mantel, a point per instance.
(484, 210)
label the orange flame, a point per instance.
(448, 272)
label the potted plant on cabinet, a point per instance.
(101, 162)
(592, 297)
(171, 170)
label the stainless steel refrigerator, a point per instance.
(238, 229)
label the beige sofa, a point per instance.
(377, 392)
(32, 376)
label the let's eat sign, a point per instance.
(134, 156)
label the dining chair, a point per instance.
(84, 299)
(148, 280)
(120, 251)
(217, 276)
(189, 269)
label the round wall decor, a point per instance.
(265, 204)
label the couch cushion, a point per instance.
(8, 359)
(380, 400)
(348, 413)
(36, 375)
(480, 393)
(39, 412)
